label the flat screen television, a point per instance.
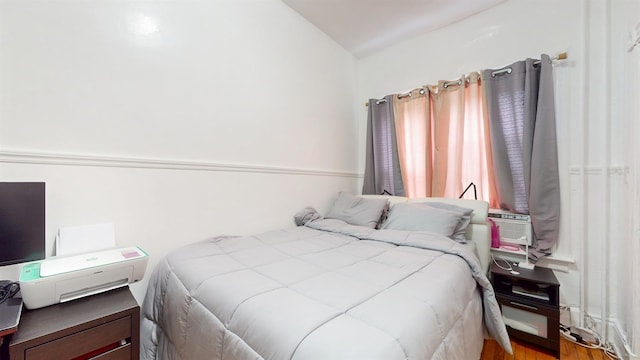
(22, 222)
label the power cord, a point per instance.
(607, 348)
(8, 289)
(588, 337)
(509, 266)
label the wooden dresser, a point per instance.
(103, 326)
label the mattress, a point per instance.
(326, 290)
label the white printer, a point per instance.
(61, 279)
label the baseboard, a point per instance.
(617, 338)
(620, 343)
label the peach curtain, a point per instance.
(413, 133)
(461, 145)
(442, 134)
(448, 129)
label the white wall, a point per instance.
(182, 120)
(592, 132)
(625, 91)
(175, 120)
(497, 37)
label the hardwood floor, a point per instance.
(521, 351)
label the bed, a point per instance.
(339, 286)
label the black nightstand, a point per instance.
(102, 326)
(530, 305)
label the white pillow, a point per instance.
(422, 217)
(465, 220)
(357, 210)
(392, 199)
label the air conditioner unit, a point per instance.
(514, 228)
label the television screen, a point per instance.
(22, 222)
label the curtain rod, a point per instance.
(560, 56)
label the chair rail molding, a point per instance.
(51, 158)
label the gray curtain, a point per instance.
(521, 108)
(382, 167)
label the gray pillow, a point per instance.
(422, 217)
(465, 220)
(356, 210)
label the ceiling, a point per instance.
(365, 26)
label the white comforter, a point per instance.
(326, 290)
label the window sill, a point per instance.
(554, 262)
